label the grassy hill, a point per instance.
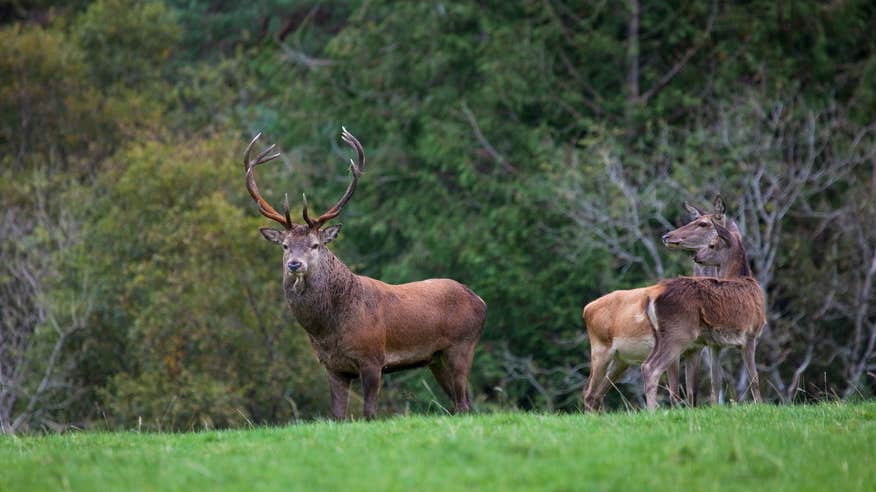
(822, 447)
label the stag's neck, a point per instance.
(322, 300)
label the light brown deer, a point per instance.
(619, 330)
(360, 327)
(688, 313)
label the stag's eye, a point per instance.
(314, 246)
(285, 246)
(703, 224)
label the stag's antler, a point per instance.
(355, 169)
(264, 207)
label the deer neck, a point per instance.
(737, 266)
(704, 270)
(321, 299)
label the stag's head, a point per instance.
(303, 244)
(721, 250)
(699, 232)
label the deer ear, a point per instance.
(723, 232)
(720, 208)
(329, 234)
(693, 211)
(272, 235)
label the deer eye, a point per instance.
(314, 246)
(285, 246)
(703, 224)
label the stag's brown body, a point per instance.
(360, 327)
(355, 321)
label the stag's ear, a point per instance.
(693, 211)
(329, 234)
(723, 232)
(720, 208)
(272, 235)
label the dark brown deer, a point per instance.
(619, 330)
(360, 327)
(688, 313)
(694, 236)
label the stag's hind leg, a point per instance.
(441, 371)
(459, 361)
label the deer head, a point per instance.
(720, 249)
(303, 244)
(699, 232)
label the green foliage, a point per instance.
(127, 41)
(818, 447)
(205, 338)
(505, 147)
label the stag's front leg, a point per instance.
(339, 385)
(370, 388)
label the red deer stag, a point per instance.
(362, 327)
(694, 236)
(688, 313)
(618, 327)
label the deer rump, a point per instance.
(618, 321)
(714, 312)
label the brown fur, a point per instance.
(618, 327)
(692, 312)
(362, 327)
(620, 335)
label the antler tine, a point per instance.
(356, 171)
(310, 222)
(264, 207)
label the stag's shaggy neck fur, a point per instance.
(320, 299)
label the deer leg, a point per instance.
(667, 349)
(715, 363)
(441, 371)
(600, 357)
(691, 373)
(370, 376)
(459, 359)
(672, 380)
(339, 385)
(616, 369)
(751, 366)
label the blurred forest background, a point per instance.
(534, 150)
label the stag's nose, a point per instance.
(665, 238)
(293, 265)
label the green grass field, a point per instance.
(824, 447)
